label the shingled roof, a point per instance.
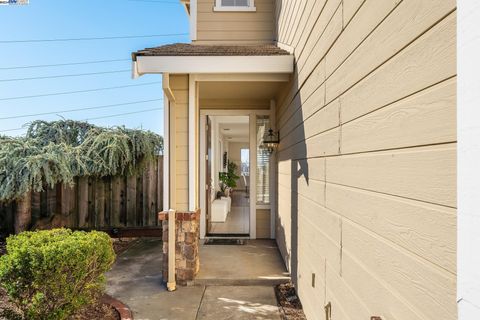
(185, 49)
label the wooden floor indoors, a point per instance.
(238, 219)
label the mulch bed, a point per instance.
(290, 304)
(8, 311)
(122, 244)
(100, 310)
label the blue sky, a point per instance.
(54, 19)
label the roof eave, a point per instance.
(213, 64)
(186, 5)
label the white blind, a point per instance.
(235, 3)
(263, 162)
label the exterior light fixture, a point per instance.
(271, 140)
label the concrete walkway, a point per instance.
(136, 280)
(258, 262)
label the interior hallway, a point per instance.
(238, 219)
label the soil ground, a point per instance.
(289, 302)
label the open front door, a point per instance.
(208, 172)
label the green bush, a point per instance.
(51, 274)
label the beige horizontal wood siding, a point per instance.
(179, 86)
(367, 158)
(235, 27)
(263, 224)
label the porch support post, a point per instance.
(170, 146)
(253, 175)
(171, 284)
(167, 97)
(191, 142)
(166, 153)
(273, 173)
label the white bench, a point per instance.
(219, 210)
(229, 201)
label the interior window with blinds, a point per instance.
(263, 162)
(235, 3)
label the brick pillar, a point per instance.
(187, 262)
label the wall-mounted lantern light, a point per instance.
(271, 140)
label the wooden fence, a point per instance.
(93, 203)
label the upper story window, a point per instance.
(234, 5)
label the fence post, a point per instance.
(116, 202)
(23, 216)
(82, 199)
(171, 285)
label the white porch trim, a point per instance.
(273, 173)
(213, 64)
(253, 175)
(166, 87)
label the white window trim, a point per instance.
(250, 8)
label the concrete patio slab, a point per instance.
(181, 304)
(258, 262)
(137, 271)
(136, 280)
(242, 303)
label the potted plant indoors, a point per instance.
(228, 179)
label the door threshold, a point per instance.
(227, 236)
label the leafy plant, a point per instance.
(58, 151)
(228, 179)
(52, 274)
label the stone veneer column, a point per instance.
(187, 233)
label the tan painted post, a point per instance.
(171, 285)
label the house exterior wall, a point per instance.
(235, 27)
(367, 158)
(179, 145)
(263, 224)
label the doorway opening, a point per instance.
(227, 168)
